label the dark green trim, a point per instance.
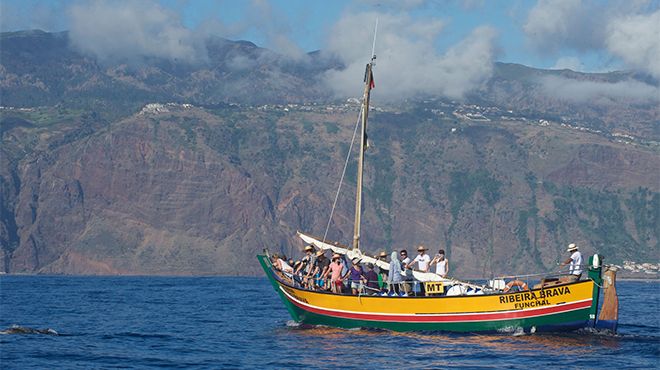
(594, 274)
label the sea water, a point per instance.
(221, 322)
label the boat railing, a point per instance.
(544, 274)
(300, 281)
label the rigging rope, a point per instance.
(343, 173)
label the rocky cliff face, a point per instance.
(201, 191)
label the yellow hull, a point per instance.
(566, 306)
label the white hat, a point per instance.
(572, 247)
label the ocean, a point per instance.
(231, 322)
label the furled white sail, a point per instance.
(353, 253)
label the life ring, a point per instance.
(520, 284)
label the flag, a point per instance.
(372, 84)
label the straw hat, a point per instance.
(355, 260)
(309, 248)
(572, 247)
(320, 253)
(336, 255)
(421, 248)
(383, 254)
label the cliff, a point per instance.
(201, 191)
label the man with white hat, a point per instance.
(574, 262)
(422, 260)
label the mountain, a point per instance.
(40, 68)
(94, 182)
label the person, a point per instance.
(321, 268)
(281, 265)
(307, 266)
(574, 262)
(441, 263)
(335, 273)
(382, 273)
(371, 278)
(394, 279)
(405, 260)
(422, 260)
(355, 275)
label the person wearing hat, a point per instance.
(422, 260)
(320, 269)
(336, 266)
(307, 266)
(574, 262)
(355, 275)
(382, 273)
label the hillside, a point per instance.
(199, 191)
(94, 184)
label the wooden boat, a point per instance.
(456, 305)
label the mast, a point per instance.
(368, 85)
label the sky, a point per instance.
(450, 43)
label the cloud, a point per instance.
(599, 92)
(625, 29)
(18, 16)
(636, 40)
(571, 63)
(554, 24)
(275, 29)
(407, 64)
(132, 30)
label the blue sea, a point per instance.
(223, 323)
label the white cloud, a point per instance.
(407, 63)
(571, 63)
(599, 92)
(117, 30)
(636, 40)
(629, 30)
(275, 29)
(553, 24)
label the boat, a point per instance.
(449, 305)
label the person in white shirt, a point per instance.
(441, 263)
(574, 262)
(422, 260)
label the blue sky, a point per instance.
(309, 25)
